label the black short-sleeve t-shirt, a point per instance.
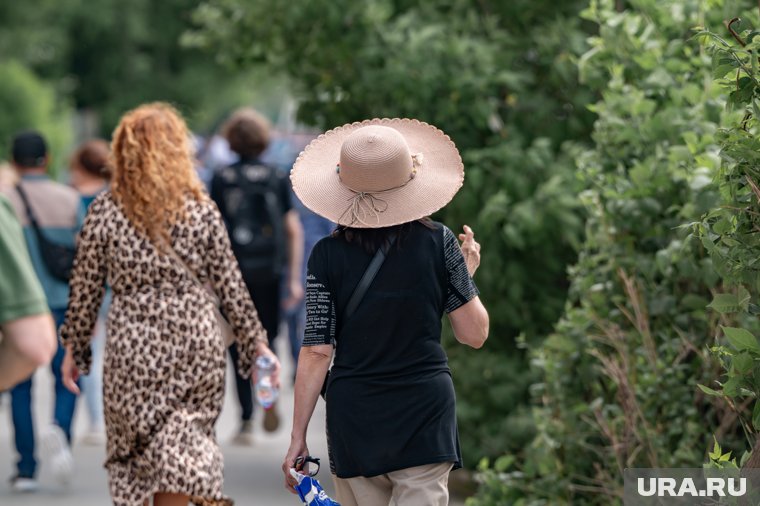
(390, 398)
(320, 307)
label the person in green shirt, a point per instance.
(27, 332)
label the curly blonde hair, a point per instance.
(153, 171)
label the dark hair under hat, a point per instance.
(29, 149)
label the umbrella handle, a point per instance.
(308, 459)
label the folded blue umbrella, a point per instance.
(309, 489)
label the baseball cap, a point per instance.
(29, 149)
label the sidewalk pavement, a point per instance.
(252, 474)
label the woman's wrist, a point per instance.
(260, 348)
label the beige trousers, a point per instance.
(414, 486)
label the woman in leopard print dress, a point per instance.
(164, 364)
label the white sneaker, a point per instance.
(244, 437)
(24, 485)
(56, 450)
(93, 437)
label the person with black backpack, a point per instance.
(266, 236)
(51, 214)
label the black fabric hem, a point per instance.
(413, 463)
(306, 344)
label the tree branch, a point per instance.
(735, 35)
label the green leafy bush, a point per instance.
(106, 57)
(619, 376)
(28, 103)
(730, 232)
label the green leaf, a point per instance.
(756, 110)
(741, 339)
(723, 226)
(731, 387)
(743, 363)
(743, 296)
(503, 463)
(709, 391)
(709, 244)
(756, 416)
(725, 303)
(721, 71)
(715, 454)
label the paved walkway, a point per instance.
(252, 475)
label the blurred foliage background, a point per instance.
(607, 152)
(73, 68)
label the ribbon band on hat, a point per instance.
(370, 199)
(358, 212)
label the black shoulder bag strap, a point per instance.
(369, 275)
(361, 288)
(29, 213)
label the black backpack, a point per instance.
(249, 197)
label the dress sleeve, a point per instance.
(227, 282)
(87, 287)
(320, 305)
(460, 288)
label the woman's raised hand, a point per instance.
(470, 250)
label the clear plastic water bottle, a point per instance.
(266, 394)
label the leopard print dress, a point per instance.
(164, 365)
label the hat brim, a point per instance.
(439, 176)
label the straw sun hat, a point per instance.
(378, 173)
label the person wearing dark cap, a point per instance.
(51, 215)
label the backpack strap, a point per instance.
(369, 275)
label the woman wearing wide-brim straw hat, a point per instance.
(391, 411)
